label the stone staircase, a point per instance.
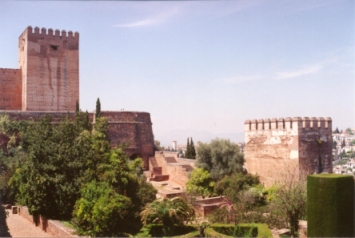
(156, 172)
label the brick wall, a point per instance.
(10, 89)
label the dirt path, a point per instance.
(20, 227)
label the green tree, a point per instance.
(168, 212)
(352, 143)
(98, 108)
(232, 185)
(349, 131)
(157, 145)
(343, 143)
(192, 150)
(336, 131)
(101, 211)
(200, 183)
(290, 201)
(77, 108)
(220, 157)
(188, 149)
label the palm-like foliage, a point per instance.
(169, 212)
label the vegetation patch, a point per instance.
(330, 205)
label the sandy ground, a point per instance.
(20, 227)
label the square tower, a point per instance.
(278, 146)
(49, 64)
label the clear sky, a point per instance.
(201, 68)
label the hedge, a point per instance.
(242, 230)
(330, 205)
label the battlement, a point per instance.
(53, 34)
(127, 116)
(9, 71)
(287, 123)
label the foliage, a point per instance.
(290, 198)
(243, 230)
(352, 143)
(200, 183)
(77, 108)
(330, 205)
(157, 145)
(232, 185)
(157, 230)
(349, 131)
(49, 180)
(343, 143)
(101, 211)
(220, 158)
(168, 212)
(190, 149)
(98, 109)
(336, 131)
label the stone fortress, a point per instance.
(273, 145)
(47, 82)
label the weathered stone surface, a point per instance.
(50, 70)
(272, 145)
(10, 89)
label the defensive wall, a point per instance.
(133, 128)
(274, 145)
(10, 89)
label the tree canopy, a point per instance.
(220, 158)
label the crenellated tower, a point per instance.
(273, 144)
(49, 64)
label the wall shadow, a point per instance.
(4, 230)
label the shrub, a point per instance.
(101, 211)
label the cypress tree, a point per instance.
(192, 150)
(98, 108)
(77, 108)
(188, 149)
(343, 143)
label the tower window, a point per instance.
(54, 47)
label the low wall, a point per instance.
(52, 227)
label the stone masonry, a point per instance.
(47, 82)
(273, 145)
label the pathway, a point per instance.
(20, 227)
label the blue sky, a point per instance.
(201, 68)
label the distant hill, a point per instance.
(204, 136)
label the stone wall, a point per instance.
(134, 128)
(10, 89)
(50, 69)
(277, 145)
(52, 227)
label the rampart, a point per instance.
(10, 89)
(132, 128)
(273, 145)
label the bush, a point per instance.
(330, 205)
(242, 230)
(157, 230)
(101, 211)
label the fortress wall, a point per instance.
(134, 128)
(139, 134)
(10, 89)
(25, 115)
(273, 146)
(50, 67)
